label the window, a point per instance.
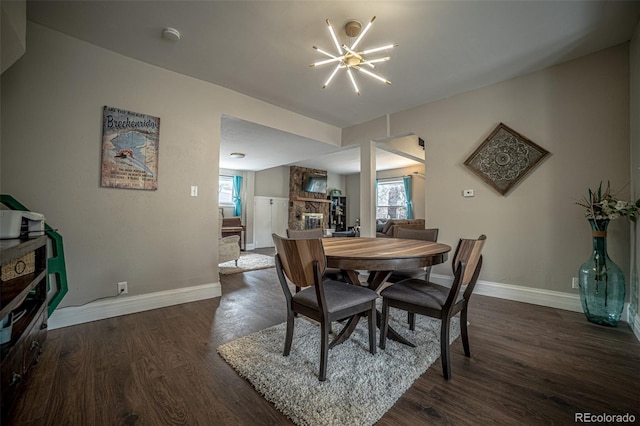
(225, 191)
(391, 199)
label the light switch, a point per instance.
(467, 193)
(194, 191)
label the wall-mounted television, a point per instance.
(315, 182)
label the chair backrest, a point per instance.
(466, 265)
(470, 252)
(304, 234)
(417, 234)
(298, 258)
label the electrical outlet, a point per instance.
(574, 283)
(123, 288)
(468, 193)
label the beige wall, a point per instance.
(537, 237)
(13, 30)
(273, 182)
(52, 100)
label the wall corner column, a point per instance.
(368, 189)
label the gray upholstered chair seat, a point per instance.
(431, 296)
(339, 296)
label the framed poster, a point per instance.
(129, 149)
(505, 158)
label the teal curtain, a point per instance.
(407, 190)
(237, 184)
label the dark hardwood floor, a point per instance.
(530, 365)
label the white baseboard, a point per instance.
(123, 305)
(65, 317)
(535, 296)
(635, 325)
(249, 247)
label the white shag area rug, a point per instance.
(360, 387)
(247, 262)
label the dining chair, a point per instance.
(438, 301)
(430, 234)
(305, 234)
(411, 233)
(302, 262)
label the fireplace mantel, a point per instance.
(311, 200)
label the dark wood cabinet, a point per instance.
(23, 299)
(338, 213)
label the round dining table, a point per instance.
(381, 257)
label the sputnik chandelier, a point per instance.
(349, 57)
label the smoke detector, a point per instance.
(171, 34)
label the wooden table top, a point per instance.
(388, 254)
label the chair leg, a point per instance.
(444, 348)
(384, 327)
(324, 350)
(464, 332)
(411, 319)
(289, 336)
(372, 329)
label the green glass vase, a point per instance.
(601, 281)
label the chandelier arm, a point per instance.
(353, 81)
(327, 61)
(331, 76)
(324, 52)
(375, 61)
(361, 36)
(374, 75)
(357, 55)
(333, 36)
(353, 52)
(378, 49)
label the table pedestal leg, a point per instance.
(377, 284)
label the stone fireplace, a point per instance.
(307, 210)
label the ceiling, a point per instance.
(263, 49)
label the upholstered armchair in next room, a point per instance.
(228, 247)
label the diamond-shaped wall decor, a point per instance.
(505, 158)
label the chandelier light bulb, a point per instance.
(353, 81)
(333, 36)
(335, 71)
(375, 61)
(376, 76)
(378, 49)
(361, 36)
